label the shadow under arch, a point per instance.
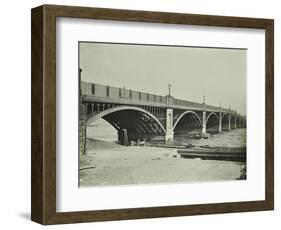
(188, 122)
(139, 123)
(239, 122)
(212, 123)
(225, 122)
(232, 121)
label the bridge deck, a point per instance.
(124, 101)
(113, 95)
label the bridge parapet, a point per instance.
(102, 91)
(109, 94)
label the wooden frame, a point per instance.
(43, 207)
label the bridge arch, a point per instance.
(138, 122)
(239, 122)
(233, 121)
(225, 121)
(183, 124)
(212, 123)
(212, 114)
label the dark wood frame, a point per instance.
(43, 160)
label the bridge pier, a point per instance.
(123, 137)
(204, 130)
(82, 129)
(220, 123)
(169, 125)
(220, 120)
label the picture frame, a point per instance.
(44, 122)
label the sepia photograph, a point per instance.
(161, 114)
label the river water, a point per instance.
(233, 138)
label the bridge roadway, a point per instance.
(149, 116)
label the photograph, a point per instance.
(161, 114)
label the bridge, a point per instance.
(151, 117)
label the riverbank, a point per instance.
(108, 163)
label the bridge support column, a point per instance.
(220, 123)
(82, 129)
(169, 125)
(229, 122)
(204, 123)
(220, 120)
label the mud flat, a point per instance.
(108, 163)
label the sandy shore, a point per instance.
(113, 164)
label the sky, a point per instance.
(218, 74)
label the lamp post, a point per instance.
(169, 86)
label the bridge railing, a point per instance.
(104, 91)
(116, 93)
(187, 103)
